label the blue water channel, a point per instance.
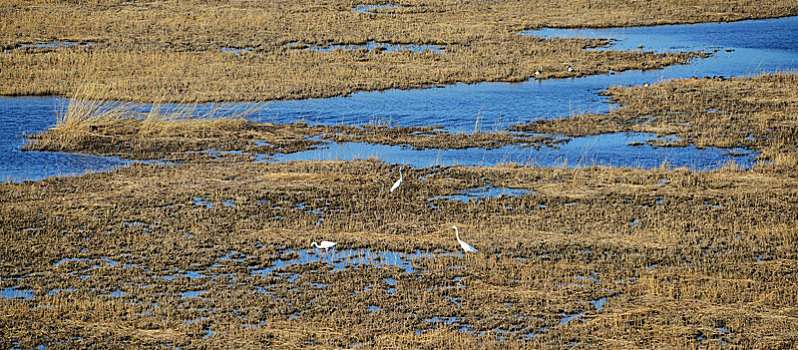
(739, 49)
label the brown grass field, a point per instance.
(212, 250)
(173, 51)
(199, 254)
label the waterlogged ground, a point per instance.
(664, 244)
(200, 255)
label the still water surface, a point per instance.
(740, 49)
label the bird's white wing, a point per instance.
(467, 247)
(396, 185)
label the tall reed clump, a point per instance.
(89, 105)
(91, 122)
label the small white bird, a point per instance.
(537, 72)
(326, 245)
(398, 182)
(570, 69)
(466, 247)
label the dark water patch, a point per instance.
(599, 303)
(192, 294)
(190, 274)
(369, 9)
(96, 263)
(592, 278)
(55, 44)
(59, 290)
(486, 192)
(349, 258)
(14, 293)
(604, 150)
(207, 203)
(568, 318)
(442, 319)
(381, 47)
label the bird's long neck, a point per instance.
(457, 233)
(400, 173)
(314, 244)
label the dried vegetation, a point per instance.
(202, 255)
(202, 51)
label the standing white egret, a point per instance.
(466, 247)
(326, 245)
(398, 182)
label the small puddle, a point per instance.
(54, 44)
(205, 202)
(376, 46)
(599, 303)
(59, 290)
(237, 51)
(373, 308)
(192, 294)
(571, 317)
(350, 258)
(445, 320)
(14, 293)
(97, 263)
(486, 192)
(190, 274)
(369, 9)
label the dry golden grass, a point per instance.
(702, 264)
(675, 259)
(173, 50)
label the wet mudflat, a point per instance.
(666, 219)
(217, 251)
(192, 255)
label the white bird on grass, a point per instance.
(466, 247)
(326, 245)
(398, 182)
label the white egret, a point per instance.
(398, 182)
(326, 245)
(466, 247)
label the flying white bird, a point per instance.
(326, 245)
(398, 182)
(466, 247)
